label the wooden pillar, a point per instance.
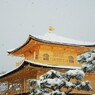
(25, 85)
(34, 55)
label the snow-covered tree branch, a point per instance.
(88, 61)
(52, 81)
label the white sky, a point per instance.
(19, 18)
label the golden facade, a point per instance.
(58, 56)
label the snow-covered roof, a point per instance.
(52, 66)
(52, 37)
(39, 65)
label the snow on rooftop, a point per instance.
(51, 36)
(67, 67)
(54, 38)
(40, 64)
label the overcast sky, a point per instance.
(19, 18)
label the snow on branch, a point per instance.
(52, 81)
(88, 61)
(78, 74)
(51, 74)
(55, 80)
(83, 86)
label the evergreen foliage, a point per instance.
(51, 82)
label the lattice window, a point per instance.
(45, 57)
(71, 59)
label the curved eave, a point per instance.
(46, 42)
(27, 41)
(25, 63)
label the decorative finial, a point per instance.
(51, 28)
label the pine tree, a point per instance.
(52, 81)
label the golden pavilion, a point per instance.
(41, 54)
